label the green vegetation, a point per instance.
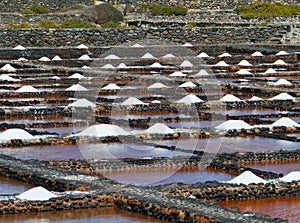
(73, 8)
(104, 13)
(46, 24)
(163, 9)
(76, 23)
(190, 25)
(23, 25)
(113, 25)
(36, 9)
(262, 24)
(266, 10)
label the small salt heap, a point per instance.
(148, 56)
(103, 130)
(202, 72)
(111, 87)
(8, 68)
(189, 99)
(157, 85)
(169, 55)
(132, 101)
(82, 46)
(246, 178)
(85, 57)
(229, 98)
(287, 122)
(221, 64)
(27, 88)
(56, 58)
(36, 194)
(82, 103)
(108, 66)
(22, 59)
(6, 77)
(186, 63)
(282, 82)
(77, 87)
(19, 47)
(188, 84)
(203, 55)
(244, 63)
(233, 124)
(159, 128)
(257, 54)
(44, 59)
(283, 96)
(225, 55)
(15, 133)
(77, 76)
(292, 176)
(177, 74)
(156, 65)
(111, 57)
(255, 98)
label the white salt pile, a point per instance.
(22, 59)
(137, 46)
(111, 87)
(168, 56)
(19, 47)
(221, 64)
(255, 98)
(81, 46)
(76, 87)
(257, 54)
(56, 58)
(111, 57)
(77, 76)
(55, 77)
(189, 99)
(157, 85)
(246, 178)
(156, 102)
(85, 57)
(279, 62)
(122, 65)
(233, 124)
(177, 74)
(85, 67)
(36, 194)
(282, 82)
(244, 63)
(287, 122)
(8, 68)
(103, 130)
(15, 134)
(283, 96)
(202, 72)
(156, 65)
(203, 55)
(187, 44)
(243, 72)
(27, 88)
(282, 53)
(186, 63)
(148, 56)
(270, 71)
(292, 176)
(188, 84)
(132, 101)
(225, 55)
(44, 59)
(159, 128)
(6, 77)
(108, 66)
(229, 98)
(82, 103)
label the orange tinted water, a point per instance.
(11, 186)
(283, 207)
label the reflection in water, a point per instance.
(277, 167)
(103, 215)
(11, 186)
(283, 207)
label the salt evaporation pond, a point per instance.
(284, 167)
(93, 215)
(11, 186)
(166, 176)
(90, 151)
(281, 207)
(231, 145)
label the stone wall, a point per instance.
(99, 37)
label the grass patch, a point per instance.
(76, 23)
(36, 9)
(190, 25)
(23, 25)
(266, 10)
(164, 10)
(46, 24)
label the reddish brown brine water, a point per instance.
(282, 207)
(11, 186)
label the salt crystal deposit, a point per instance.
(56, 77)
(243, 72)
(8, 68)
(108, 66)
(189, 99)
(85, 67)
(132, 101)
(159, 128)
(186, 63)
(112, 57)
(188, 84)
(287, 122)
(221, 64)
(257, 54)
(283, 96)
(202, 72)
(292, 176)
(229, 98)
(15, 133)
(85, 57)
(148, 56)
(27, 88)
(6, 77)
(246, 178)
(19, 47)
(203, 55)
(156, 65)
(44, 59)
(76, 87)
(187, 44)
(225, 55)
(156, 102)
(22, 59)
(56, 58)
(282, 53)
(244, 63)
(282, 82)
(177, 74)
(103, 130)
(270, 71)
(122, 65)
(82, 103)
(233, 124)
(36, 194)
(77, 76)
(82, 46)
(255, 98)
(137, 46)
(157, 85)
(279, 62)
(168, 56)
(111, 87)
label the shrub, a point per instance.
(190, 25)
(266, 10)
(36, 9)
(27, 11)
(76, 23)
(164, 9)
(47, 23)
(23, 25)
(104, 13)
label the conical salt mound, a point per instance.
(111, 87)
(82, 103)
(56, 58)
(283, 96)
(77, 76)
(122, 65)
(189, 99)
(22, 59)
(156, 65)
(244, 63)
(103, 130)
(292, 176)
(282, 53)
(243, 72)
(270, 71)
(287, 122)
(246, 178)
(36, 194)
(108, 66)
(159, 128)
(19, 47)
(255, 98)
(44, 59)
(202, 72)
(137, 46)
(157, 85)
(168, 56)
(229, 98)
(84, 57)
(10, 134)
(77, 87)
(186, 63)
(221, 64)
(225, 55)
(9, 68)
(188, 84)
(81, 46)
(233, 124)
(279, 62)
(187, 44)
(203, 55)
(111, 57)
(177, 74)
(5, 77)
(132, 101)
(148, 56)
(257, 54)
(282, 82)
(27, 88)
